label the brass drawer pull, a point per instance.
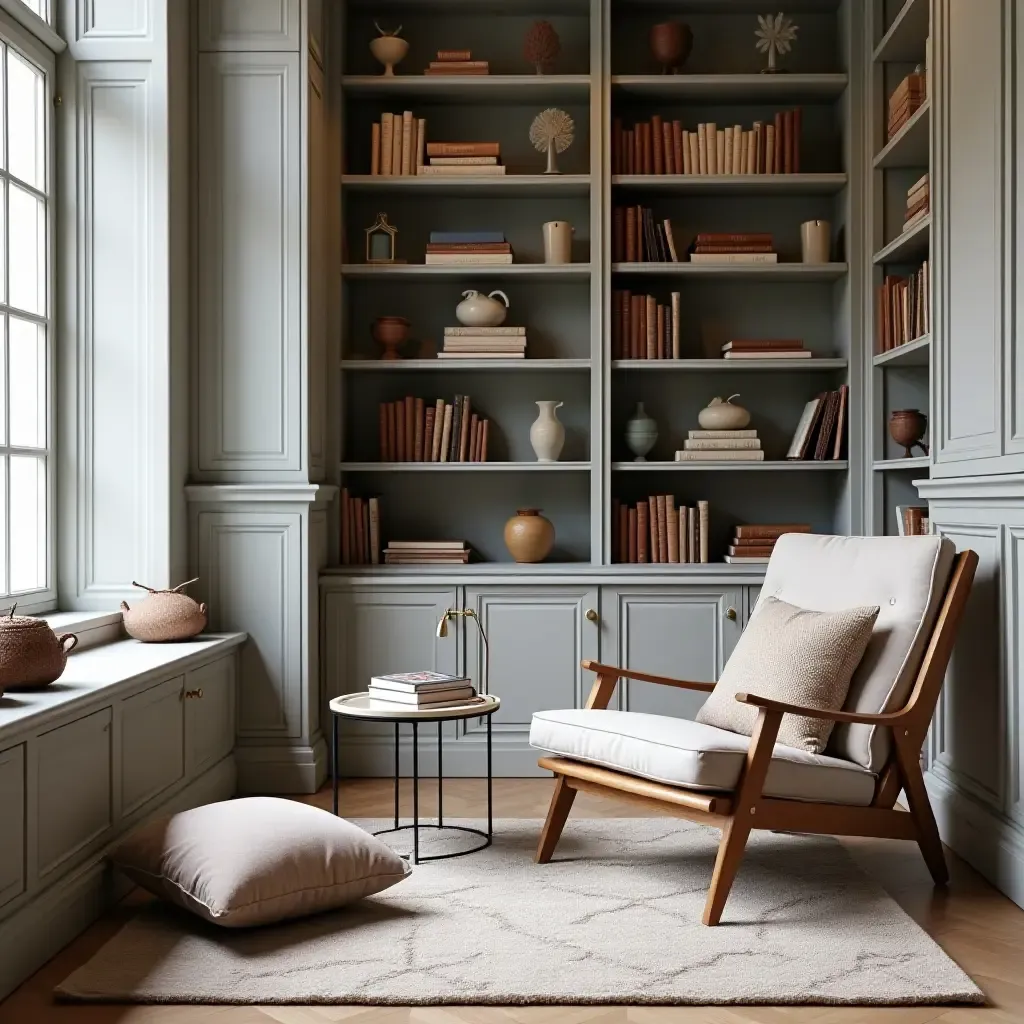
(194, 694)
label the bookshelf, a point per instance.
(900, 377)
(605, 71)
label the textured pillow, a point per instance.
(257, 860)
(794, 655)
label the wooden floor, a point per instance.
(981, 929)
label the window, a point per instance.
(26, 364)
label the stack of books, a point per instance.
(413, 430)
(637, 237)
(904, 308)
(660, 530)
(661, 146)
(765, 348)
(484, 343)
(721, 446)
(470, 248)
(733, 247)
(397, 144)
(912, 520)
(423, 690)
(918, 203)
(457, 62)
(905, 101)
(643, 328)
(360, 530)
(821, 433)
(463, 158)
(426, 552)
(754, 542)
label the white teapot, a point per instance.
(479, 310)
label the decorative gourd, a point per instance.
(164, 615)
(31, 654)
(721, 414)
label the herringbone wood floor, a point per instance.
(975, 924)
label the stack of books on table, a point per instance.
(468, 248)
(918, 203)
(660, 530)
(457, 62)
(905, 101)
(423, 690)
(426, 552)
(754, 542)
(765, 348)
(717, 247)
(468, 159)
(821, 433)
(484, 343)
(721, 446)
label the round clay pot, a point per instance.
(529, 536)
(391, 333)
(31, 654)
(671, 43)
(906, 428)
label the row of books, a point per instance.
(659, 530)
(412, 430)
(904, 308)
(637, 237)
(721, 446)
(918, 202)
(765, 348)
(912, 520)
(753, 543)
(905, 101)
(643, 328)
(423, 689)
(360, 530)
(457, 62)
(397, 144)
(456, 248)
(661, 146)
(484, 343)
(427, 552)
(821, 433)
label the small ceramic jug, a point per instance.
(723, 415)
(547, 435)
(479, 310)
(558, 241)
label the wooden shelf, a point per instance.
(791, 88)
(913, 353)
(566, 272)
(525, 185)
(904, 40)
(909, 147)
(760, 271)
(731, 184)
(888, 465)
(910, 246)
(404, 365)
(728, 365)
(772, 465)
(554, 569)
(525, 88)
(465, 467)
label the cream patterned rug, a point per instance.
(615, 918)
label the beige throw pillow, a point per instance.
(257, 860)
(794, 655)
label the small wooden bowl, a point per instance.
(391, 333)
(906, 428)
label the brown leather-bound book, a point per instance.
(641, 248)
(676, 310)
(657, 145)
(619, 235)
(345, 553)
(624, 325)
(840, 432)
(428, 434)
(435, 444)
(631, 536)
(410, 428)
(400, 435)
(787, 142)
(758, 147)
(384, 432)
(642, 527)
(392, 431)
(648, 148)
(677, 146)
(374, 516)
(474, 437)
(419, 414)
(616, 538)
(797, 121)
(630, 243)
(464, 429)
(636, 306)
(651, 327)
(483, 440)
(771, 530)
(654, 550)
(662, 528)
(357, 511)
(446, 434)
(668, 153)
(463, 149)
(684, 534)
(750, 551)
(660, 353)
(672, 528)
(753, 542)
(777, 159)
(623, 533)
(617, 323)
(617, 150)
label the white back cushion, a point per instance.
(906, 577)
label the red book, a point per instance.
(777, 148)
(400, 455)
(463, 149)
(384, 432)
(677, 145)
(630, 152)
(670, 152)
(727, 238)
(787, 135)
(630, 242)
(797, 119)
(657, 145)
(618, 235)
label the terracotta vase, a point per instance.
(671, 43)
(529, 537)
(391, 333)
(906, 428)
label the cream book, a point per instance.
(769, 354)
(445, 259)
(496, 332)
(696, 435)
(481, 355)
(463, 161)
(462, 170)
(722, 444)
(734, 257)
(720, 456)
(748, 559)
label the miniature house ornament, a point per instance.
(776, 36)
(380, 241)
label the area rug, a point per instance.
(614, 918)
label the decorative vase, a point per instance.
(671, 43)
(558, 241)
(907, 427)
(547, 435)
(721, 414)
(815, 241)
(164, 615)
(31, 654)
(391, 333)
(529, 537)
(479, 310)
(389, 49)
(641, 433)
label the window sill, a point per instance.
(91, 628)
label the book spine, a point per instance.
(421, 143)
(771, 532)
(660, 318)
(657, 145)
(787, 142)
(400, 453)
(652, 524)
(410, 429)
(631, 253)
(676, 304)
(734, 257)
(446, 431)
(463, 149)
(692, 531)
(450, 55)
(464, 430)
(722, 434)
(693, 140)
(474, 423)
(662, 528)
(419, 413)
(719, 249)
(668, 147)
(648, 148)
(650, 324)
(702, 149)
(728, 154)
(642, 527)
(631, 538)
(720, 455)
(672, 528)
(360, 535)
(408, 141)
(630, 144)
(720, 151)
(375, 531)
(636, 304)
(428, 433)
(684, 531)
(678, 159)
(396, 148)
(384, 432)
(617, 299)
(375, 148)
(671, 239)
(345, 550)
(713, 445)
(797, 132)
(769, 145)
(751, 148)
(483, 443)
(387, 142)
(711, 144)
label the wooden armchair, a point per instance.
(775, 787)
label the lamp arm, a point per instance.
(467, 613)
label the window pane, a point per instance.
(27, 359)
(26, 129)
(36, 6)
(3, 242)
(28, 523)
(27, 248)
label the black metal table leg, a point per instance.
(334, 760)
(490, 775)
(440, 776)
(397, 774)
(415, 793)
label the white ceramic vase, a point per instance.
(641, 433)
(547, 435)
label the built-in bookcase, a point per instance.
(605, 71)
(900, 378)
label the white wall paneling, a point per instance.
(249, 24)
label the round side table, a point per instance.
(364, 708)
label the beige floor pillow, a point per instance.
(794, 655)
(257, 860)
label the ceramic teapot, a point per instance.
(31, 654)
(721, 414)
(479, 310)
(164, 615)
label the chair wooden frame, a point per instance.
(746, 808)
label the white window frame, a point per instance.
(29, 46)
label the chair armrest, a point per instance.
(611, 671)
(852, 717)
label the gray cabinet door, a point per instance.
(209, 715)
(152, 743)
(683, 632)
(249, 24)
(12, 815)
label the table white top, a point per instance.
(362, 705)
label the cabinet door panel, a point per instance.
(12, 815)
(209, 715)
(249, 24)
(152, 743)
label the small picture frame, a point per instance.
(380, 241)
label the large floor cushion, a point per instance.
(684, 753)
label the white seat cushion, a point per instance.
(679, 752)
(906, 577)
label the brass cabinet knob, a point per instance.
(194, 694)
(592, 615)
(730, 614)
